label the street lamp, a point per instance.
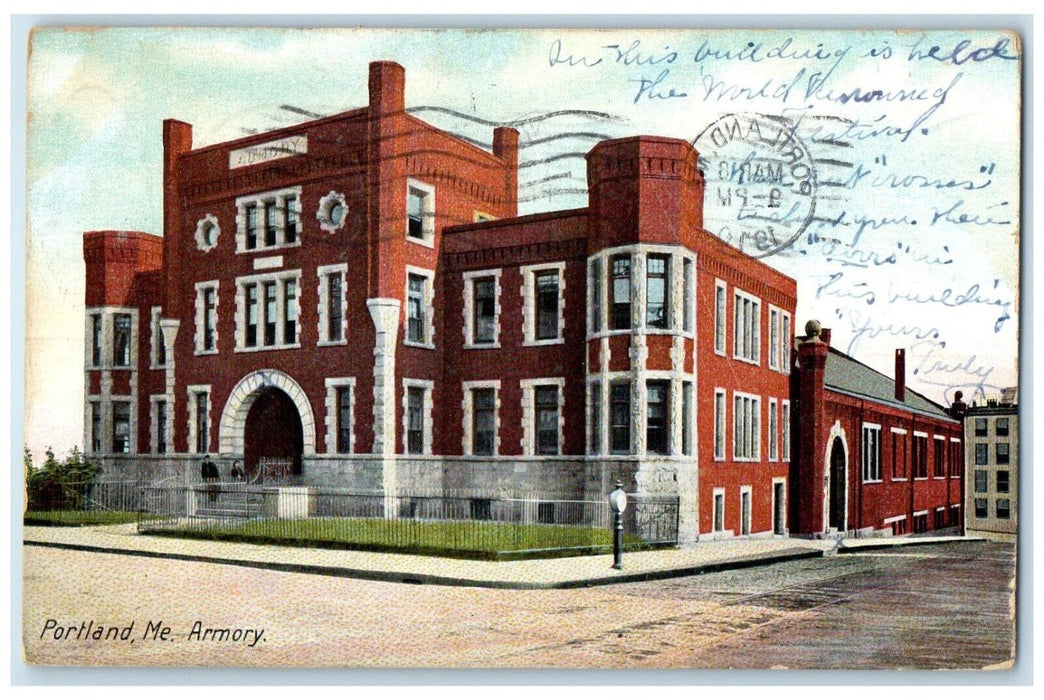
(618, 502)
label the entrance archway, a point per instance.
(838, 485)
(232, 430)
(272, 430)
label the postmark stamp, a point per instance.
(760, 181)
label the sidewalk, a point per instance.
(570, 572)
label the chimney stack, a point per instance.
(824, 335)
(900, 374)
(387, 87)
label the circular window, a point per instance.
(207, 232)
(333, 210)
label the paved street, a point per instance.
(932, 606)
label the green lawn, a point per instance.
(76, 518)
(466, 539)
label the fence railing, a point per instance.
(72, 502)
(443, 521)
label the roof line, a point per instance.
(882, 374)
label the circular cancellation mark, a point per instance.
(760, 182)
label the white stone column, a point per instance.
(385, 315)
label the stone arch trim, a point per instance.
(233, 417)
(836, 431)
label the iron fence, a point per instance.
(81, 502)
(444, 521)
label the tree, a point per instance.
(59, 485)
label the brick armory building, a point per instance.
(356, 295)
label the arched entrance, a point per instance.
(838, 485)
(273, 430)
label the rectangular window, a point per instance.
(547, 305)
(784, 345)
(747, 428)
(871, 453)
(786, 431)
(940, 517)
(747, 331)
(96, 340)
(656, 417)
(120, 427)
(159, 347)
(939, 459)
(416, 331)
(773, 427)
(270, 224)
(1003, 482)
(956, 459)
(344, 419)
(982, 481)
(289, 312)
(656, 286)
(745, 512)
(719, 511)
(620, 286)
(719, 425)
(688, 297)
(420, 212)
(161, 427)
(1001, 427)
(1003, 508)
(595, 286)
(202, 422)
(334, 310)
(773, 338)
(290, 216)
(96, 427)
(719, 318)
(546, 398)
(415, 420)
(209, 317)
(415, 214)
(898, 455)
(485, 312)
(1003, 456)
(981, 427)
(251, 226)
(982, 453)
(251, 315)
(982, 508)
(121, 340)
(484, 421)
(920, 456)
(920, 522)
(620, 418)
(686, 430)
(271, 316)
(596, 419)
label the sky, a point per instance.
(892, 159)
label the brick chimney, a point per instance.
(505, 147)
(387, 87)
(900, 374)
(824, 335)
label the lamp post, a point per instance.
(618, 503)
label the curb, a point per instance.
(429, 579)
(915, 542)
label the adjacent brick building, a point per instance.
(356, 297)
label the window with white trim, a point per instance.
(719, 510)
(96, 427)
(720, 316)
(340, 415)
(543, 303)
(899, 470)
(657, 402)
(417, 405)
(482, 308)
(657, 290)
(786, 430)
(594, 290)
(746, 427)
(159, 348)
(785, 344)
(542, 404)
(267, 310)
(419, 311)
(481, 422)
(122, 332)
(773, 428)
(420, 212)
(121, 427)
(595, 436)
(199, 418)
(871, 452)
(747, 330)
(939, 456)
(333, 304)
(774, 332)
(206, 317)
(620, 417)
(96, 340)
(620, 292)
(719, 424)
(159, 425)
(268, 220)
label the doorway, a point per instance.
(838, 486)
(273, 431)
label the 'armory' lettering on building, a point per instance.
(264, 152)
(250, 637)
